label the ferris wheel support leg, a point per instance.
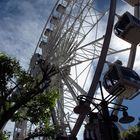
(134, 46)
(100, 63)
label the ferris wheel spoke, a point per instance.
(91, 43)
(78, 87)
(70, 89)
(65, 120)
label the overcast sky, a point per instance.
(21, 23)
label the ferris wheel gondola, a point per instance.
(121, 81)
(128, 28)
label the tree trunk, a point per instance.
(7, 115)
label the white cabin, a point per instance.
(128, 28)
(121, 81)
(61, 9)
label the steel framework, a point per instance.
(76, 39)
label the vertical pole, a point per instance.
(106, 127)
(133, 46)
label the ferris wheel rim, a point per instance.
(99, 67)
(99, 73)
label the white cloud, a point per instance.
(20, 30)
(21, 25)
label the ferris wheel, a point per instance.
(77, 39)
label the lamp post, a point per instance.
(107, 128)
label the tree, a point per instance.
(17, 87)
(132, 133)
(38, 113)
(39, 108)
(3, 136)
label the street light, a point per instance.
(101, 125)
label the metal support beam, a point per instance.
(100, 62)
(134, 46)
(81, 90)
(70, 88)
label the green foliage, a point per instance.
(132, 133)
(9, 73)
(39, 108)
(12, 79)
(3, 136)
(23, 95)
(49, 133)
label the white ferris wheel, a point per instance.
(78, 39)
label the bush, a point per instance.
(3, 136)
(132, 133)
